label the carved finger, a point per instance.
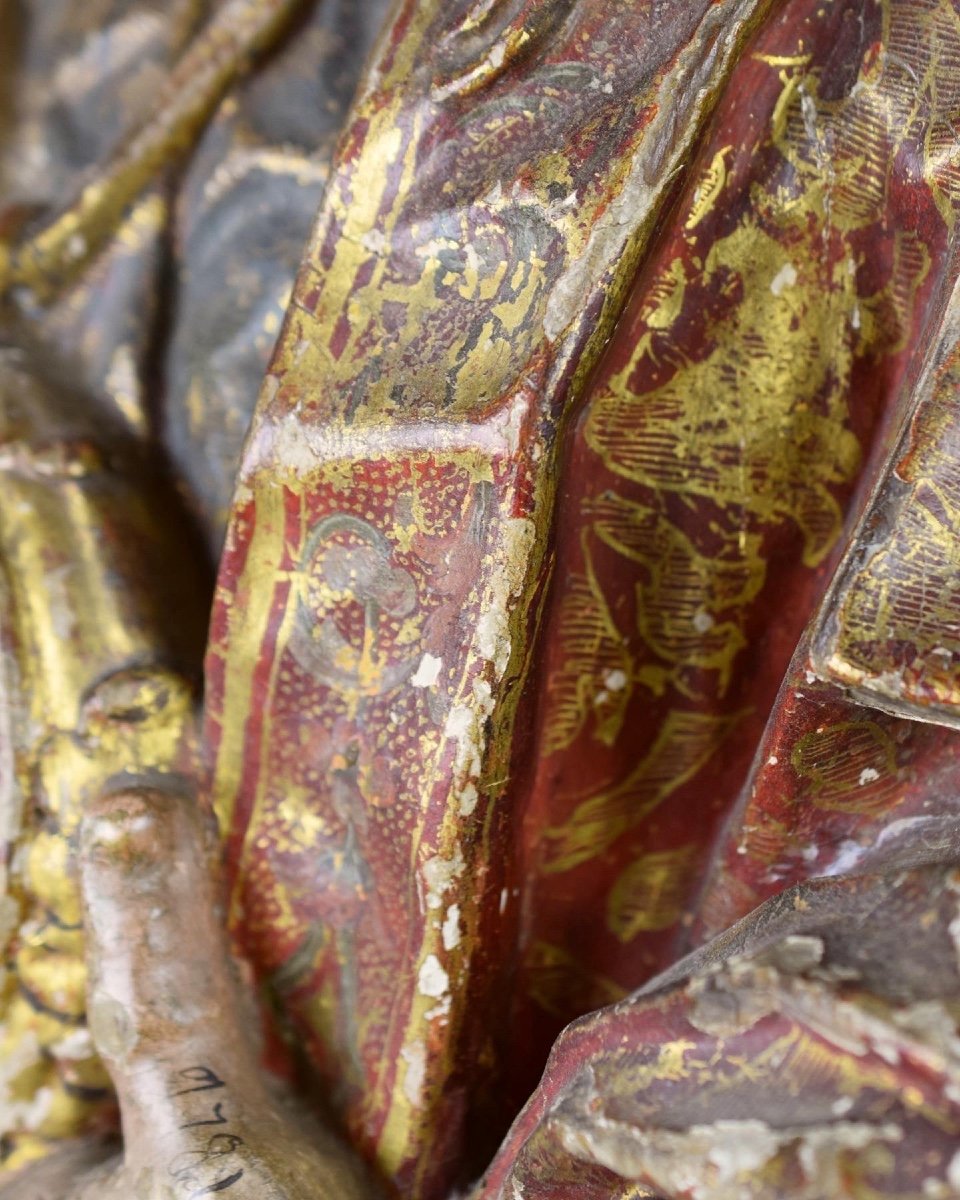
(197, 1117)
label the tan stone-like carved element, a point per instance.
(580, 689)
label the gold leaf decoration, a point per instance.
(649, 895)
(686, 743)
(757, 425)
(597, 671)
(849, 767)
(560, 983)
(680, 591)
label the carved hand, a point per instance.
(198, 1118)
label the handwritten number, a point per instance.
(220, 1186)
(204, 1079)
(187, 1167)
(219, 1118)
(223, 1143)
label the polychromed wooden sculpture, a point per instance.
(581, 691)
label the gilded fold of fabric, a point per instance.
(582, 685)
(391, 540)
